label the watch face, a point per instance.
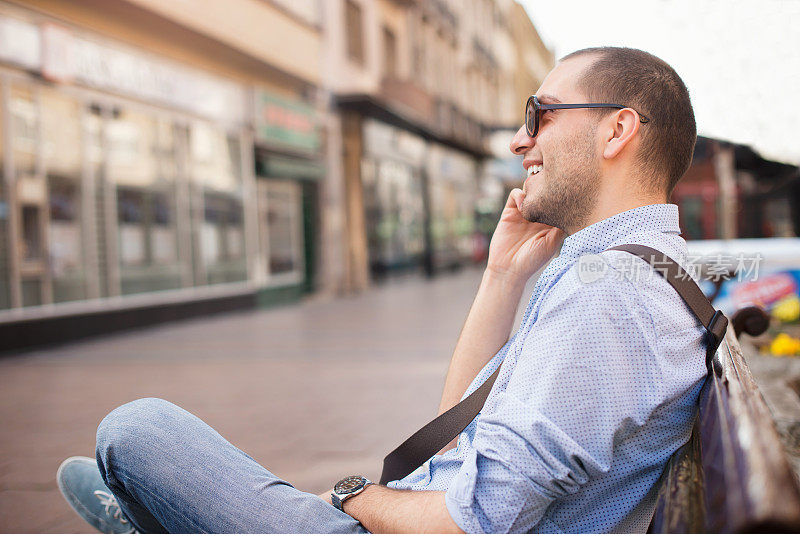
(349, 484)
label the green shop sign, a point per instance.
(286, 123)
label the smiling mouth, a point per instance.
(534, 169)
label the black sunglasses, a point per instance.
(533, 112)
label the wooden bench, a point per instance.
(733, 475)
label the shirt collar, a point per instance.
(612, 231)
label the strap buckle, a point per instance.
(717, 327)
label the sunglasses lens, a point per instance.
(530, 118)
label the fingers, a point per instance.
(515, 199)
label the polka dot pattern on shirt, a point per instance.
(598, 388)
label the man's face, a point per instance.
(564, 154)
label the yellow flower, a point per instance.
(785, 345)
(787, 309)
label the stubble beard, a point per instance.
(569, 194)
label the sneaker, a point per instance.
(80, 482)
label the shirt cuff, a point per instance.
(462, 515)
(460, 495)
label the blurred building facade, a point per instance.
(525, 61)
(155, 156)
(418, 87)
(731, 192)
(178, 158)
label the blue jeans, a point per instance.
(171, 472)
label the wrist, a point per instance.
(347, 488)
(504, 277)
(349, 508)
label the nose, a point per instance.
(521, 142)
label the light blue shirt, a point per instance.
(598, 387)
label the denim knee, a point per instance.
(126, 433)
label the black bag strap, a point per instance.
(434, 436)
(713, 320)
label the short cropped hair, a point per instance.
(649, 85)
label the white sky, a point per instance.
(740, 59)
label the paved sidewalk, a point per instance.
(270, 381)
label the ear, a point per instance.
(624, 125)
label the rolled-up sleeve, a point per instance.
(583, 381)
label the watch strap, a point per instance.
(337, 500)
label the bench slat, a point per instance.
(733, 475)
(681, 503)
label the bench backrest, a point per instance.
(733, 475)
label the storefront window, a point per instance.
(216, 166)
(142, 165)
(395, 215)
(130, 214)
(453, 194)
(280, 209)
(97, 208)
(62, 152)
(95, 157)
(31, 193)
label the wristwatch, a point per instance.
(347, 487)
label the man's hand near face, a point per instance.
(519, 247)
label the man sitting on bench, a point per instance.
(596, 389)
